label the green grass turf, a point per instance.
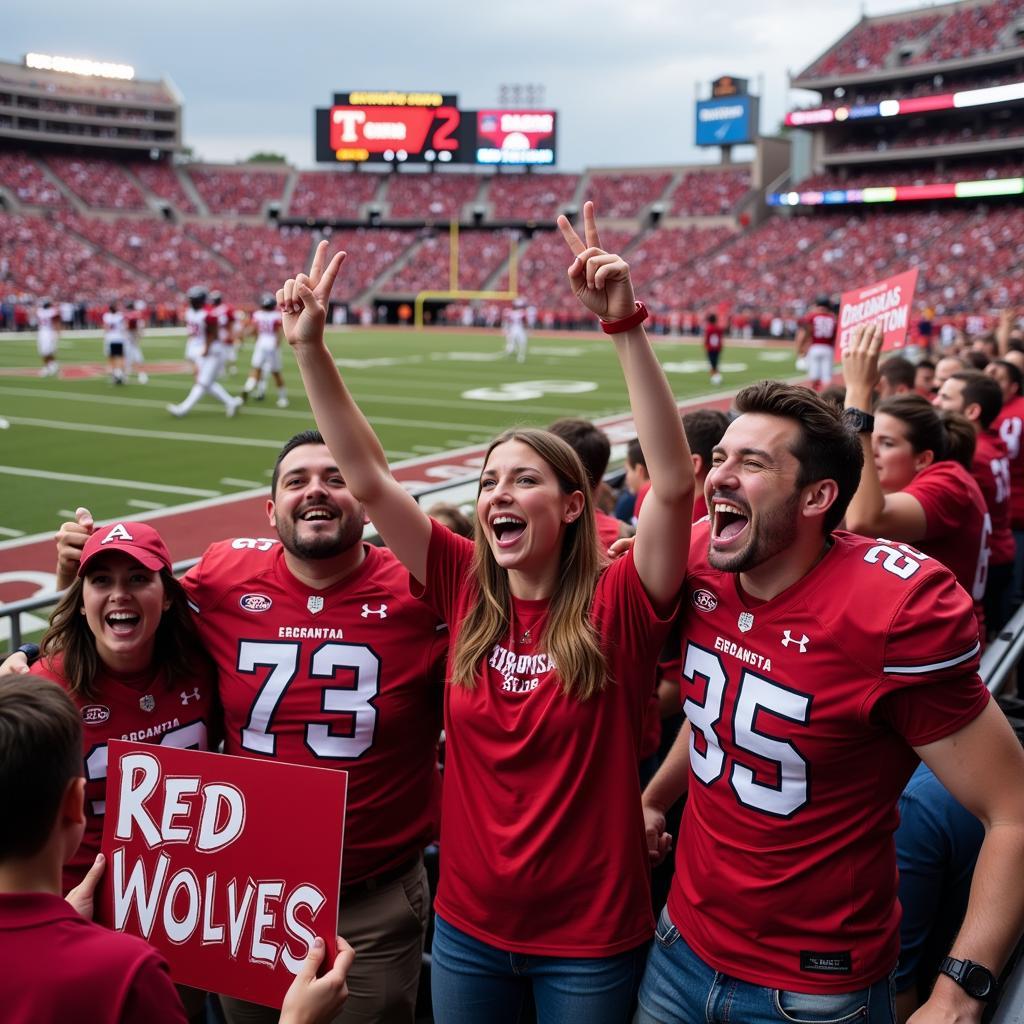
(425, 392)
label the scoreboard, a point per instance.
(730, 117)
(429, 127)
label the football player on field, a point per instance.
(818, 668)
(325, 659)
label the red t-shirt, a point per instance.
(542, 835)
(712, 337)
(821, 327)
(640, 495)
(137, 707)
(956, 522)
(700, 506)
(804, 711)
(348, 677)
(608, 528)
(991, 471)
(60, 967)
(1010, 426)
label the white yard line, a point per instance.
(107, 481)
(163, 435)
(6, 531)
(149, 505)
(234, 481)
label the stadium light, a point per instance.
(79, 66)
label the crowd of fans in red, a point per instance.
(964, 32)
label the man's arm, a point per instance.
(982, 765)
(669, 784)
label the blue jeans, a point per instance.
(679, 988)
(472, 982)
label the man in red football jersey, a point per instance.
(325, 659)
(818, 666)
(713, 340)
(815, 340)
(1010, 424)
(978, 398)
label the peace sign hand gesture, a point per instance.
(304, 299)
(599, 279)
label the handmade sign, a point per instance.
(230, 866)
(887, 301)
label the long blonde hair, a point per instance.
(568, 637)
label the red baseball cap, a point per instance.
(138, 540)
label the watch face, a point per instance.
(978, 982)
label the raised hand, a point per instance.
(304, 299)
(860, 362)
(599, 279)
(71, 538)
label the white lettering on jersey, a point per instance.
(521, 672)
(743, 653)
(309, 633)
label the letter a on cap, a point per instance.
(118, 532)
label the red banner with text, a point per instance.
(888, 302)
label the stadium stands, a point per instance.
(480, 255)
(969, 30)
(241, 191)
(20, 173)
(661, 261)
(543, 195)
(708, 193)
(40, 258)
(372, 251)
(870, 44)
(432, 197)
(619, 195)
(97, 182)
(162, 181)
(332, 195)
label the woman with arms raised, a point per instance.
(544, 871)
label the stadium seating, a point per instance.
(625, 195)
(161, 180)
(432, 197)
(20, 173)
(867, 46)
(708, 193)
(661, 261)
(480, 254)
(330, 194)
(969, 30)
(973, 170)
(244, 191)
(262, 257)
(170, 258)
(534, 197)
(97, 182)
(39, 258)
(371, 252)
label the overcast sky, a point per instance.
(621, 75)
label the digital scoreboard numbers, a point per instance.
(393, 127)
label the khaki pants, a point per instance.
(386, 928)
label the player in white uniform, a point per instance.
(195, 324)
(266, 354)
(515, 331)
(115, 337)
(135, 320)
(49, 334)
(210, 365)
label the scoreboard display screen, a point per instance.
(726, 121)
(420, 127)
(515, 136)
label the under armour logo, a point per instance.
(788, 639)
(187, 698)
(382, 611)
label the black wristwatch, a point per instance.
(861, 421)
(977, 981)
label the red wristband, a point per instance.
(627, 323)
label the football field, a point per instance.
(80, 440)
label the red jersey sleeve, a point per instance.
(945, 502)
(449, 566)
(929, 687)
